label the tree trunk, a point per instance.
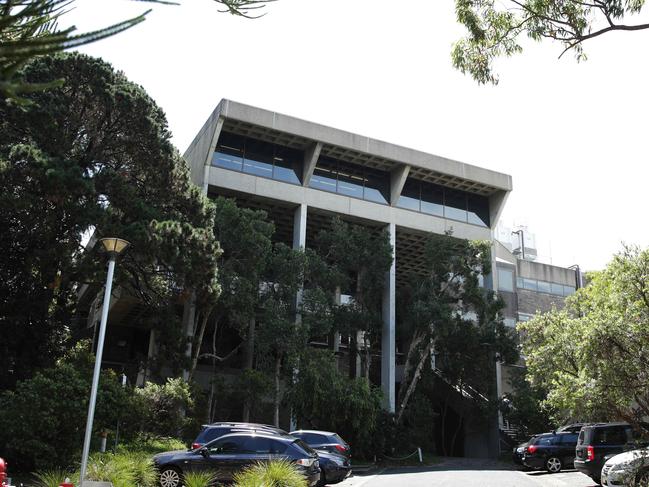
(414, 344)
(198, 341)
(278, 368)
(249, 362)
(368, 358)
(415, 379)
(353, 354)
(210, 402)
(444, 414)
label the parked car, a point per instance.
(571, 428)
(213, 431)
(599, 442)
(324, 440)
(628, 468)
(334, 468)
(231, 453)
(550, 451)
(519, 451)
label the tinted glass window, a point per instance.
(569, 439)
(301, 445)
(545, 441)
(610, 436)
(287, 165)
(432, 199)
(258, 158)
(544, 287)
(455, 205)
(229, 152)
(410, 195)
(227, 446)
(350, 180)
(257, 445)
(324, 176)
(556, 288)
(505, 280)
(530, 284)
(478, 207)
(210, 434)
(377, 186)
(568, 290)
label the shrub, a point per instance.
(43, 421)
(279, 473)
(52, 478)
(122, 469)
(150, 445)
(161, 409)
(198, 479)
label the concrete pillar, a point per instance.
(494, 284)
(398, 178)
(299, 243)
(388, 346)
(145, 372)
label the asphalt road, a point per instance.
(467, 473)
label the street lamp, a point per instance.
(114, 247)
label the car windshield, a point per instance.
(304, 446)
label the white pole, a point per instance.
(421, 460)
(95, 376)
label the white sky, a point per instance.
(571, 135)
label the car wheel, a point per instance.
(169, 477)
(553, 464)
(323, 481)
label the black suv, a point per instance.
(213, 431)
(550, 451)
(598, 442)
(324, 440)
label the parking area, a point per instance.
(467, 473)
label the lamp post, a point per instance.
(114, 247)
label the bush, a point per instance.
(161, 409)
(122, 469)
(150, 445)
(43, 421)
(198, 479)
(280, 473)
(53, 478)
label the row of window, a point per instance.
(252, 156)
(257, 157)
(506, 283)
(445, 202)
(351, 180)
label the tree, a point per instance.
(494, 28)
(93, 154)
(448, 314)
(360, 259)
(29, 28)
(593, 356)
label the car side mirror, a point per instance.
(205, 452)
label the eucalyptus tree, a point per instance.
(360, 259)
(593, 356)
(495, 28)
(447, 314)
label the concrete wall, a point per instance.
(546, 272)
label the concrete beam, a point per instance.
(311, 155)
(388, 345)
(398, 178)
(208, 158)
(496, 206)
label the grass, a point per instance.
(53, 478)
(198, 479)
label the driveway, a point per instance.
(467, 473)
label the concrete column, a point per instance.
(299, 243)
(494, 283)
(388, 346)
(145, 373)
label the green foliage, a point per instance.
(494, 28)
(447, 313)
(592, 356)
(323, 398)
(147, 444)
(278, 473)
(162, 408)
(122, 470)
(51, 478)
(198, 479)
(94, 154)
(526, 405)
(43, 420)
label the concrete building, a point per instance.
(302, 173)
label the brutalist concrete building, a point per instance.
(302, 173)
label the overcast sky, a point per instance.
(573, 136)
